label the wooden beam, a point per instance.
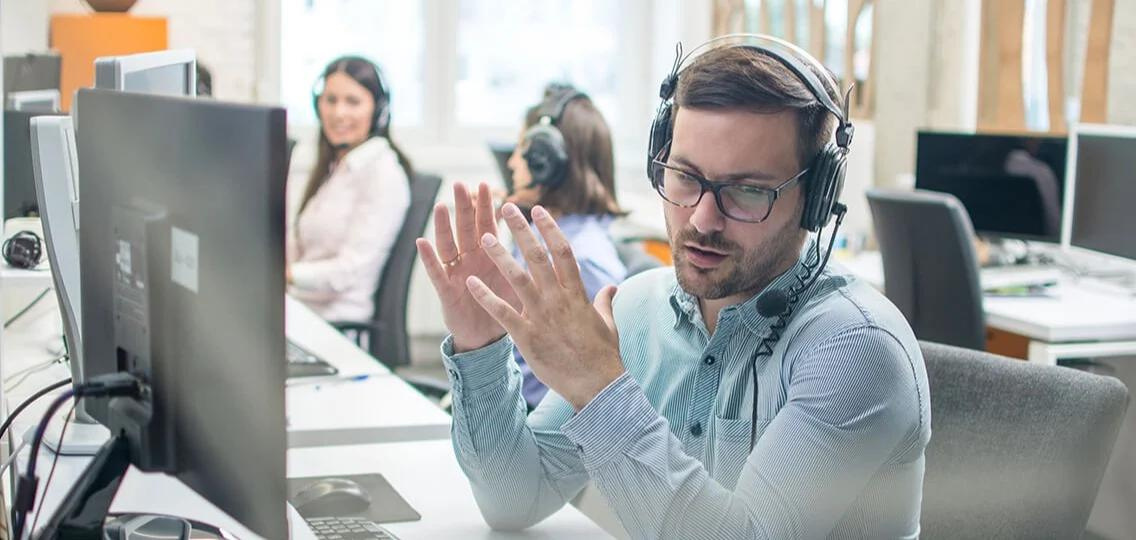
(1094, 92)
(1055, 63)
(817, 33)
(1001, 105)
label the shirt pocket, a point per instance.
(731, 448)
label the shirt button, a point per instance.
(696, 429)
(709, 360)
(580, 448)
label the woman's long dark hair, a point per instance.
(366, 73)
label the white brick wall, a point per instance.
(223, 32)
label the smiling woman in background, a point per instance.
(356, 197)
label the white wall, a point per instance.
(23, 26)
(222, 31)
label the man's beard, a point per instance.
(741, 272)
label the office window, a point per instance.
(463, 71)
(389, 32)
(509, 49)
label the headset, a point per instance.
(823, 181)
(23, 250)
(545, 152)
(380, 121)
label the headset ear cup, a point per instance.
(826, 183)
(660, 132)
(545, 156)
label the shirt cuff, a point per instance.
(480, 367)
(610, 422)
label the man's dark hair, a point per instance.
(747, 79)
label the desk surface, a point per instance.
(16, 277)
(427, 475)
(1076, 310)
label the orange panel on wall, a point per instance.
(80, 39)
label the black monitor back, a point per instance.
(19, 181)
(1011, 185)
(217, 171)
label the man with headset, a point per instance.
(749, 392)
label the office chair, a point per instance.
(384, 336)
(930, 266)
(1017, 450)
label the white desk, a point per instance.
(1078, 320)
(427, 475)
(16, 277)
(323, 411)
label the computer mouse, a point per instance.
(331, 497)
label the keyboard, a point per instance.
(1006, 277)
(348, 528)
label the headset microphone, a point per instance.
(772, 303)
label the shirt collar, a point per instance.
(686, 308)
(365, 153)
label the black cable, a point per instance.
(26, 486)
(29, 401)
(27, 308)
(112, 385)
(805, 280)
(54, 461)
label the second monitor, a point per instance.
(1011, 185)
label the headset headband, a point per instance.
(788, 54)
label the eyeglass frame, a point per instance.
(716, 187)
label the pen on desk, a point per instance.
(320, 381)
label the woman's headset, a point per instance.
(380, 121)
(545, 151)
(825, 179)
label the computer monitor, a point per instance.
(19, 180)
(44, 101)
(24, 72)
(183, 285)
(172, 72)
(1102, 172)
(1011, 185)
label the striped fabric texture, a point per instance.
(843, 418)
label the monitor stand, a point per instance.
(85, 509)
(84, 436)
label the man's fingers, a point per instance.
(514, 273)
(444, 234)
(486, 218)
(497, 308)
(535, 255)
(567, 270)
(602, 304)
(465, 220)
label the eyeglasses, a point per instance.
(740, 202)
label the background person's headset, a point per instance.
(380, 120)
(544, 149)
(823, 182)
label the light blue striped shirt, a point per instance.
(843, 420)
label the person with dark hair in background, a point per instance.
(356, 197)
(565, 163)
(749, 392)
